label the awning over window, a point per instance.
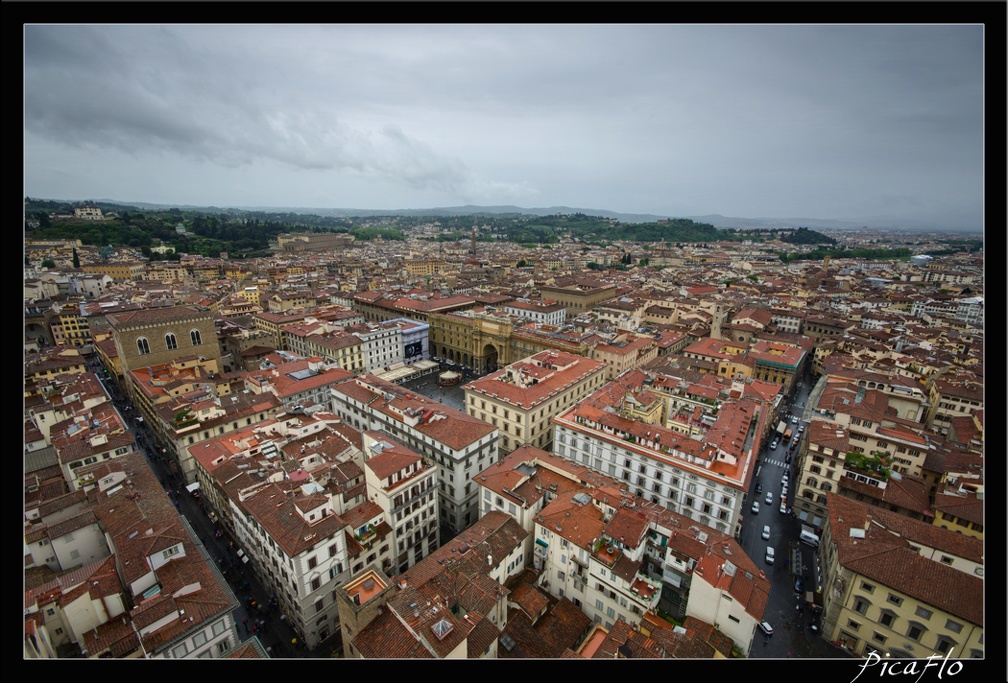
(192, 487)
(541, 542)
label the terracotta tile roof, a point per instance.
(448, 426)
(553, 371)
(622, 642)
(966, 505)
(247, 650)
(394, 457)
(275, 510)
(518, 640)
(482, 635)
(884, 555)
(907, 493)
(628, 527)
(563, 626)
(699, 630)
(151, 315)
(388, 638)
(361, 514)
(496, 534)
(579, 523)
(529, 599)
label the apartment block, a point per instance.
(874, 597)
(285, 489)
(619, 432)
(450, 605)
(148, 592)
(547, 311)
(405, 488)
(579, 294)
(458, 444)
(618, 557)
(522, 398)
(950, 399)
(625, 352)
(295, 382)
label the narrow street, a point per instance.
(258, 614)
(787, 611)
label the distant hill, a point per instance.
(716, 220)
(874, 222)
(473, 210)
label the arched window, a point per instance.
(194, 336)
(143, 347)
(170, 341)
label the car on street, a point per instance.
(766, 532)
(759, 487)
(801, 428)
(794, 419)
(769, 498)
(784, 480)
(769, 554)
(755, 507)
(799, 585)
(787, 460)
(783, 506)
(766, 628)
(773, 444)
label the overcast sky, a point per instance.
(757, 121)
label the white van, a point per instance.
(807, 536)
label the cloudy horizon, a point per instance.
(819, 121)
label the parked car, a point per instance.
(799, 585)
(784, 480)
(759, 487)
(769, 498)
(783, 506)
(794, 419)
(769, 554)
(755, 507)
(766, 628)
(766, 532)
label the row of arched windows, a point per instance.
(143, 346)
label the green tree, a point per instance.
(48, 263)
(76, 259)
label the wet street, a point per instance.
(258, 614)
